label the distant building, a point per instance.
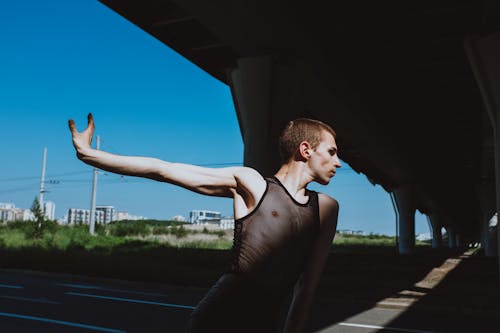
(49, 210)
(178, 218)
(24, 215)
(351, 232)
(204, 216)
(424, 237)
(9, 213)
(108, 213)
(227, 222)
(5, 205)
(82, 216)
(119, 216)
(63, 220)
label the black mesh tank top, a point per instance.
(270, 248)
(272, 243)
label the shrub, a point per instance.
(121, 229)
(179, 232)
(160, 230)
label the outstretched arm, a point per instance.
(225, 182)
(305, 287)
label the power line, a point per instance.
(32, 187)
(48, 176)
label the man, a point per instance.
(283, 231)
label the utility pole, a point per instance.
(42, 179)
(94, 189)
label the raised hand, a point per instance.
(82, 140)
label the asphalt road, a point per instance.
(34, 302)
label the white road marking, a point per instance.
(10, 286)
(132, 300)
(397, 329)
(84, 286)
(36, 300)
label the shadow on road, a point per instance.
(431, 284)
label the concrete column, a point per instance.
(436, 222)
(486, 196)
(489, 234)
(405, 204)
(267, 93)
(483, 53)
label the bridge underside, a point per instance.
(393, 79)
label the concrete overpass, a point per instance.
(412, 89)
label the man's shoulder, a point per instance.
(250, 179)
(327, 201)
(328, 211)
(248, 173)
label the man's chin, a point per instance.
(324, 181)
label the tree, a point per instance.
(36, 209)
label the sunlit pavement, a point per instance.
(458, 293)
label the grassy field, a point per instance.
(159, 251)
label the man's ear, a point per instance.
(305, 150)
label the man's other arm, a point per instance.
(227, 182)
(306, 285)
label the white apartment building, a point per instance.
(25, 215)
(118, 216)
(82, 216)
(108, 213)
(121, 216)
(10, 213)
(49, 210)
(178, 218)
(226, 223)
(204, 216)
(7, 215)
(5, 205)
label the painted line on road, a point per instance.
(132, 300)
(36, 300)
(10, 286)
(397, 329)
(61, 322)
(79, 286)
(84, 286)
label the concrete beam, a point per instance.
(483, 53)
(267, 94)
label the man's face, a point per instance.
(324, 160)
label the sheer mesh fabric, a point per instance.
(270, 247)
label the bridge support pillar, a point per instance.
(483, 53)
(436, 223)
(405, 205)
(486, 196)
(267, 94)
(452, 237)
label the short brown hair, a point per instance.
(298, 130)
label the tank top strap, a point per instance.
(314, 204)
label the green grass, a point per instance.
(140, 250)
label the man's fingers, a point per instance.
(90, 119)
(71, 124)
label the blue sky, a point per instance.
(63, 59)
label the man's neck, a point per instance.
(294, 176)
